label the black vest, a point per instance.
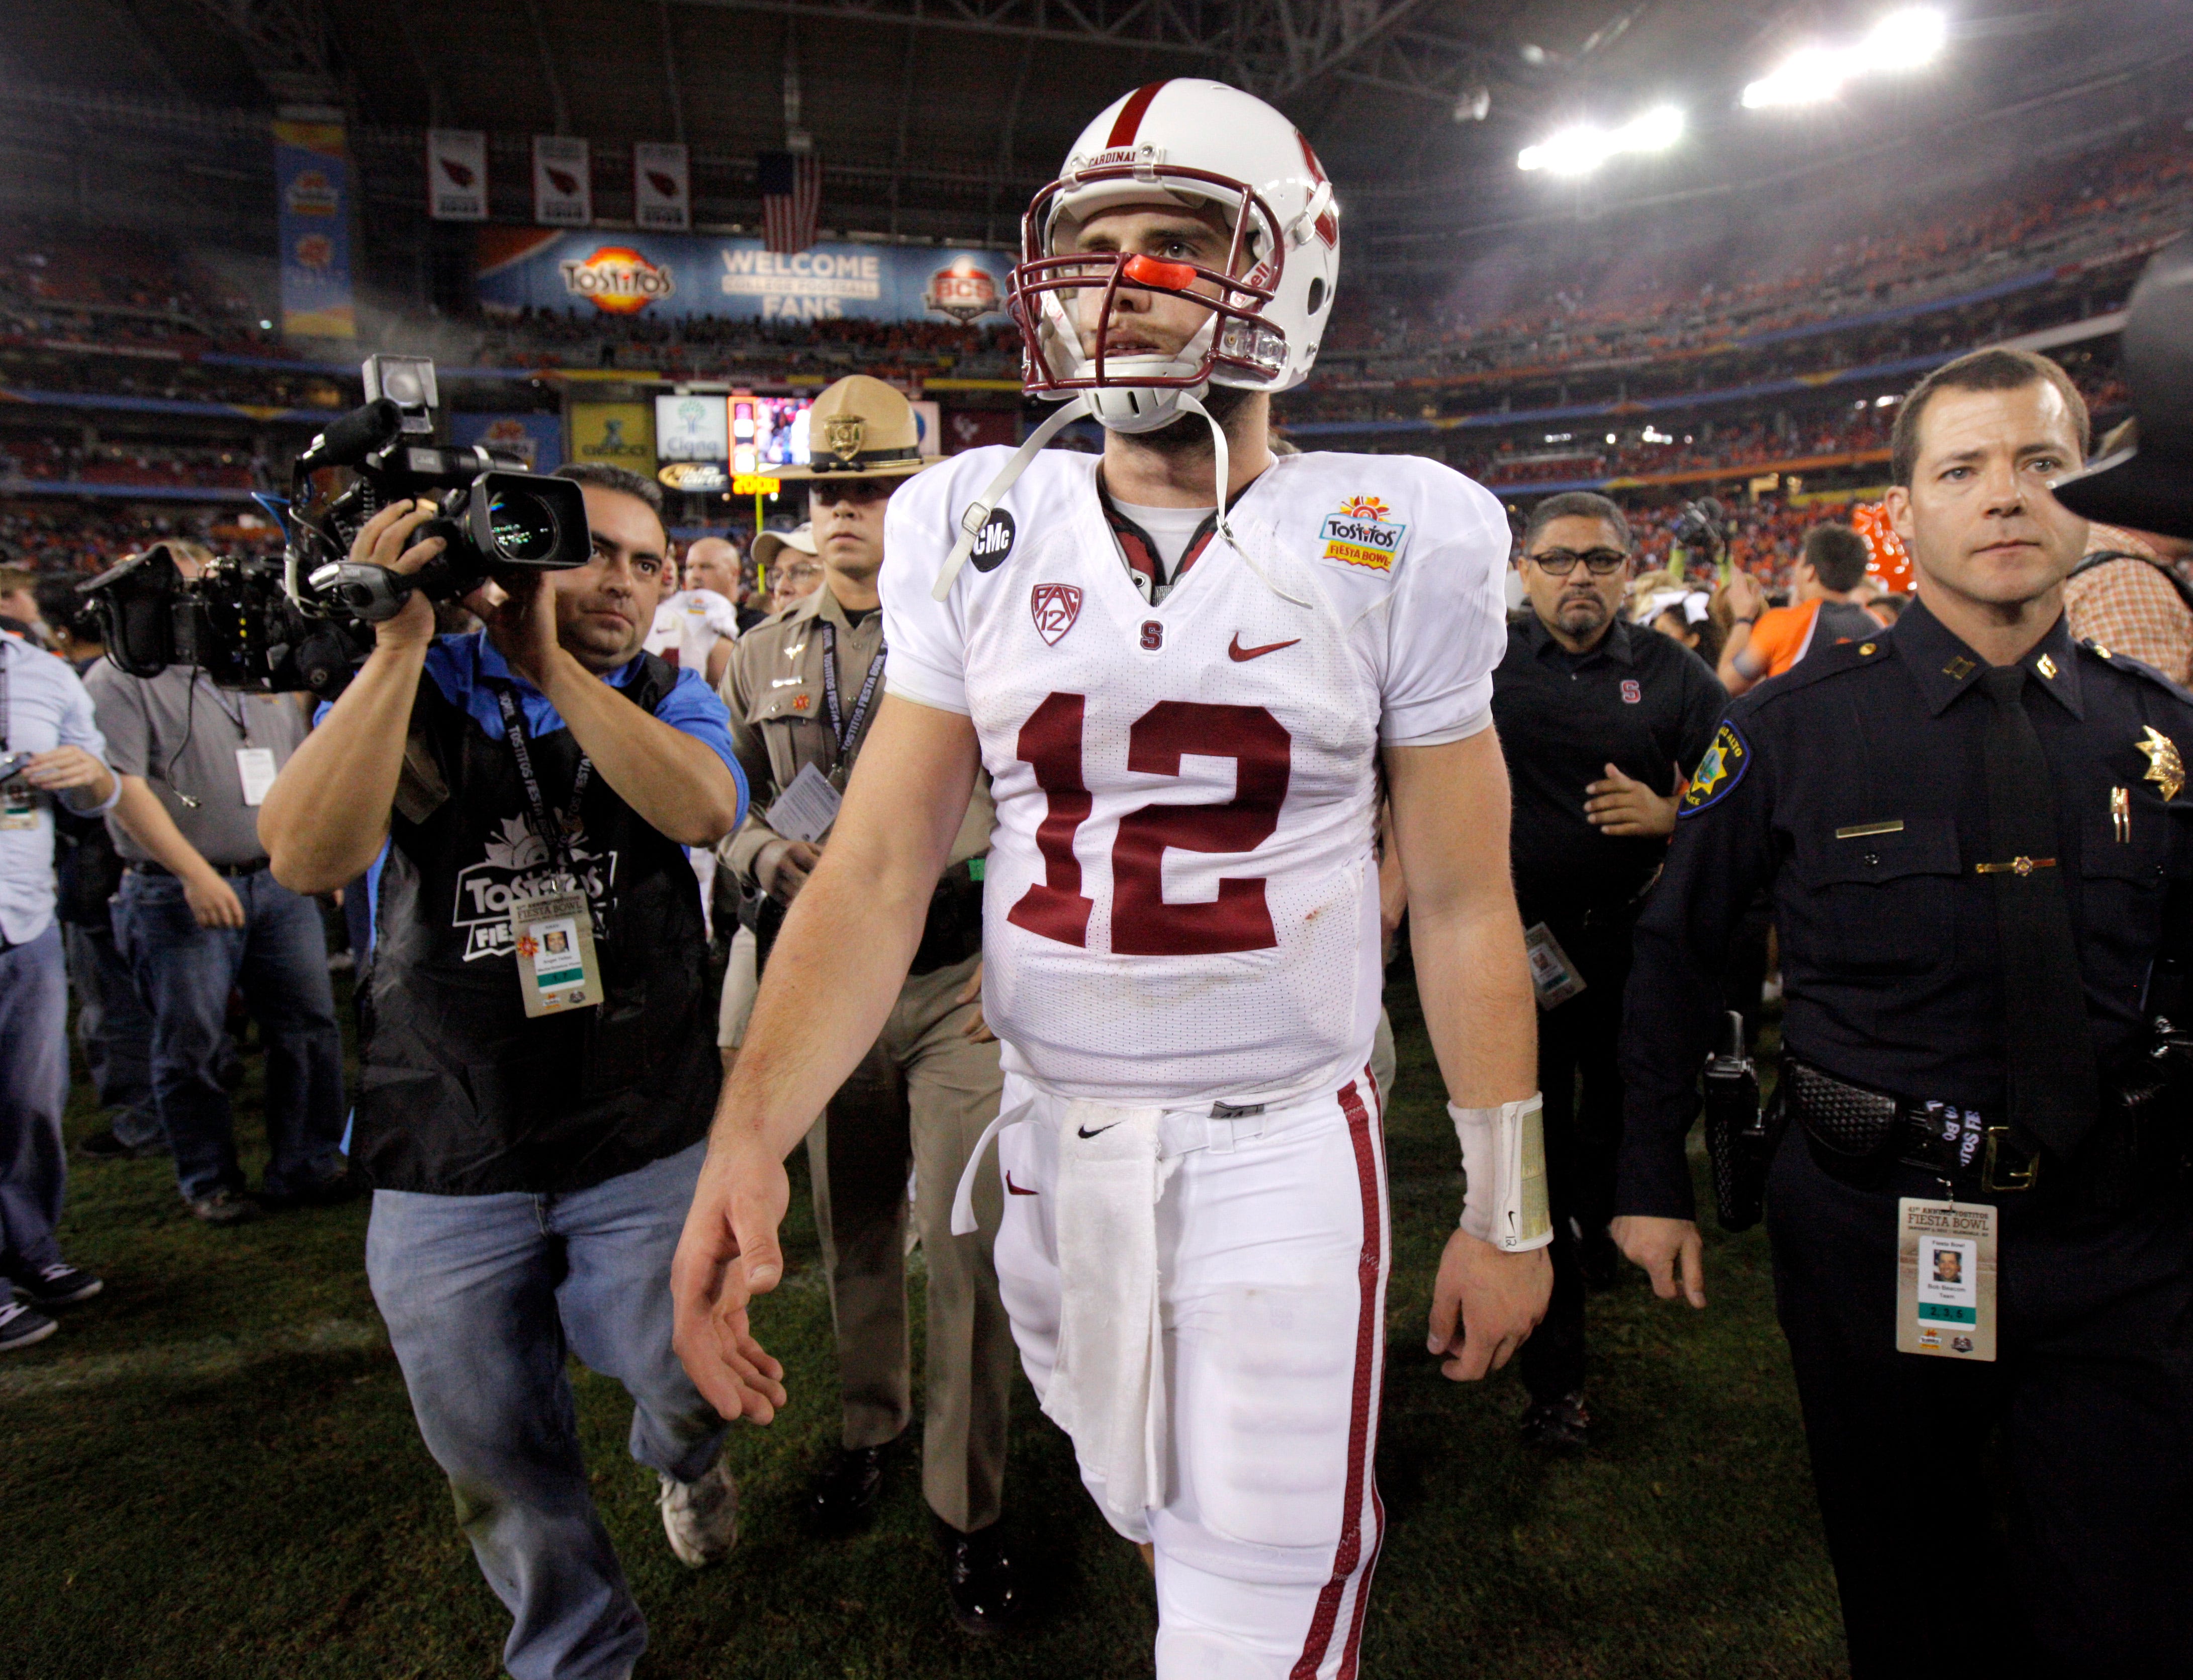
(460, 1093)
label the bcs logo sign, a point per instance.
(618, 280)
(965, 291)
(1362, 534)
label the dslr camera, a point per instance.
(1702, 527)
(306, 621)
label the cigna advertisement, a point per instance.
(654, 275)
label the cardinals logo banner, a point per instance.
(562, 182)
(312, 182)
(456, 174)
(661, 196)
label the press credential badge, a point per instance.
(1553, 976)
(255, 769)
(1945, 1278)
(552, 939)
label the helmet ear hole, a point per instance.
(1316, 300)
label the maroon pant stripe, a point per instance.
(1367, 1262)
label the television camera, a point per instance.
(306, 621)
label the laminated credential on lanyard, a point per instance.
(1945, 1278)
(552, 932)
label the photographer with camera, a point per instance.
(538, 1063)
(197, 916)
(50, 752)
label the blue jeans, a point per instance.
(485, 1297)
(33, 1086)
(279, 957)
(114, 1031)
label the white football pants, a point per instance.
(1273, 1252)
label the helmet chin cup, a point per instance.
(1133, 408)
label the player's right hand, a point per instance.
(385, 540)
(728, 1254)
(1665, 1247)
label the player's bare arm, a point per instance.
(1474, 982)
(831, 977)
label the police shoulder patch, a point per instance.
(1719, 771)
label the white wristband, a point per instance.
(1504, 1159)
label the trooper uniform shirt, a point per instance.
(1854, 789)
(1183, 905)
(780, 716)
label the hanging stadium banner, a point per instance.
(562, 182)
(688, 276)
(615, 434)
(662, 188)
(456, 174)
(312, 182)
(535, 439)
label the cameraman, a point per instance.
(531, 1173)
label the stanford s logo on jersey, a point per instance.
(1055, 606)
(993, 542)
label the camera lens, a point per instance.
(524, 526)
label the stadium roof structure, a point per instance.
(936, 119)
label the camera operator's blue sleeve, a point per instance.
(693, 707)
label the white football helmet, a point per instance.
(1192, 143)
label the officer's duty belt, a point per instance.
(1857, 1133)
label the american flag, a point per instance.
(791, 198)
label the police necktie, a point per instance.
(2054, 1086)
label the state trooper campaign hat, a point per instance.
(2149, 487)
(860, 428)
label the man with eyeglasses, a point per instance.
(1601, 721)
(803, 688)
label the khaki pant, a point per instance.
(924, 1093)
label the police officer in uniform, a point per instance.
(1974, 833)
(802, 689)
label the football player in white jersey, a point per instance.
(1190, 668)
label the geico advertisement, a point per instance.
(682, 275)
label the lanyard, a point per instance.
(241, 717)
(555, 835)
(847, 730)
(7, 663)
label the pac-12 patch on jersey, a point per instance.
(1718, 772)
(1362, 534)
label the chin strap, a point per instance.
(1223, 525)
(979, 510)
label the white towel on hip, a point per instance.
(1108, 1388)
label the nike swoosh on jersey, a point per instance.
(1017, 1189)
(1237, 653)
(1083, 1131)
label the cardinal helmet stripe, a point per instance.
(1130, 119)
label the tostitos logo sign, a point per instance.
(1364, 533)
(617, 279)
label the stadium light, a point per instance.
(1903, 40)
(1580, 150)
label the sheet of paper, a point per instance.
(804, 810)
(255, 769)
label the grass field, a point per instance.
(212, 1470)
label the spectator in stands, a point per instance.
(2129, 593)
(533, 1153)
(198, 915)
(113, 1029)
(50, 752)
(1764, 643)
(1602, 720)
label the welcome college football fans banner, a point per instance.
(311, 185)
(655, 274)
